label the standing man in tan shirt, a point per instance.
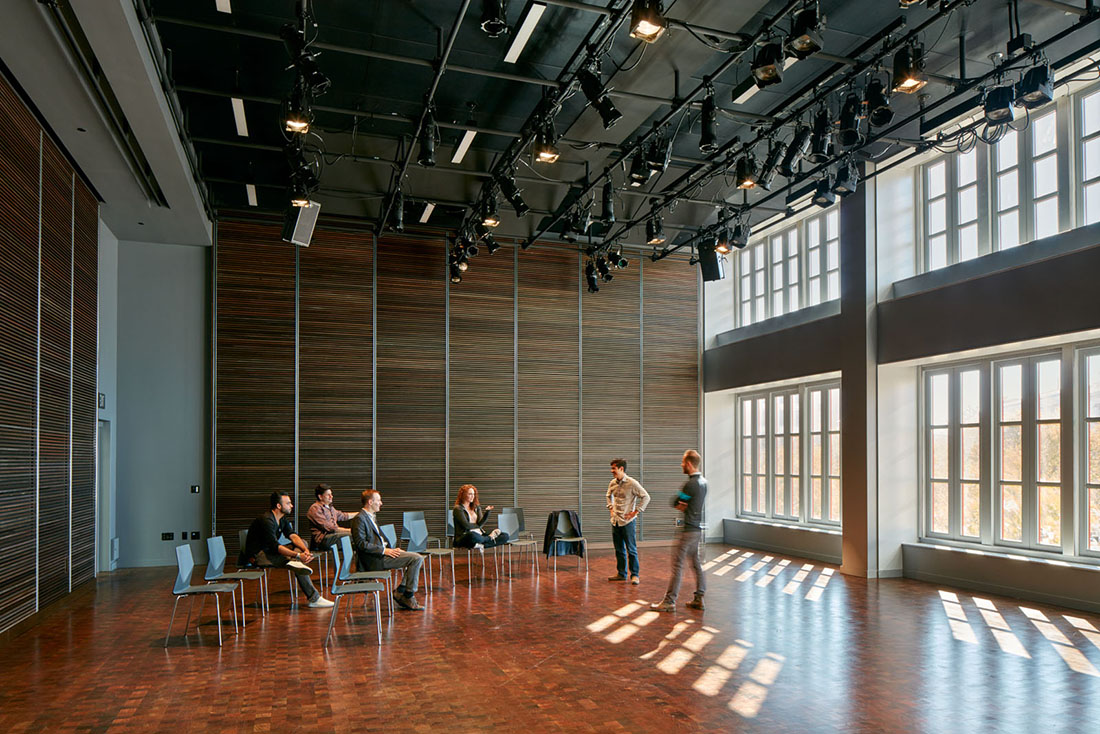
(625, 499)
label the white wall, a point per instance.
(898, 463)
(718, 305)
(108, 377)
(163, 405)
(895, 231)
(718, 456)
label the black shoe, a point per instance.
(401, 600)
(696, 603)
(616, 578)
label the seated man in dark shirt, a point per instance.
(262, 546)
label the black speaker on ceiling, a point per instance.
(711, 264)
(299, 223)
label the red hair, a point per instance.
(462, 493)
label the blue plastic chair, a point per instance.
(215, 572)
(407, 518)
(509, 522)
(391, 534)
(185, 565)
(346, 575)
(340, 590)
(418, 543)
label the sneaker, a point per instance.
(664, 606)
(635, 580)
(321, 603)
(616, 578)
(696, 603)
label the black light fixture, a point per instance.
(593, 91)
(639, 169)
(647, 22)
(590, 277)
(608, 202)
(797, 148)
(821, 141)
(745, 177)
(998, 105)
(851, 120)
(739, 235)
(877, 99)
(658, 153)
(456, 271)
(616, 260)
(823, 194)
(507, 185)
(399, 211)
(544, 150)
(604, 270)
(655, 230)
(708, 135)
(847, 178)
(909, 76)
(429, 133)
(1036, 88)
(491, 245)
(776, 149)
(299, 114)
(299, 194)
(805, 39)
(494, 17)
(767, 65)
(304, 60)
(489, 216)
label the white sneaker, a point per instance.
(321, 603)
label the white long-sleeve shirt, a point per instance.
(623, 497)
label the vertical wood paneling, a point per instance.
(335, 360)
(54, 376)
(482, 407)
(670, 397)
(411, 378)
(85, 354)
(612, 398)
(549, 384)
(19, 142)
(254, 451)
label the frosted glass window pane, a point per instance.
(792, 272)
(1094, 453)
(796, 456)
(1094, 519)
(795, 427)
(759, 282)
(1093, 367)
(815, 291)
(792, 243)
(832, 256)
(968, 242)
(1008, 194)
(940, 504)
(815, 499)
(792, 298)
(971, 397)
(746, 418)
(1092, 203)
(832, 225)
(761, 417)
(746, 313)
(746, 261)
(1044, 133)
(1050, 452)
(813, 232)
(834, 500)
(777, 249)
(1050, 389)
(971, 510)
(815, 411)
(816, 459)
(1006, 151)
(939, 453)
(937, 252)
(777, 275)
(1011, 453)
(941, 407)
(937, 179)
(1046, 176)
(1092, 158)
(780, 497)
(968, 167)
(937, 216)
(760, 315)
(968, 204)
(834, 409)
(1012, 518)
(777, 303)
(1046, 218)
(815, 262)
(1011, 376)
(971, 450)
(1050, 515)
(1008, 230)
(1091, 105)
(779, 414)
(834, 286)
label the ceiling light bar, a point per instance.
(250, 192)
(526, 28)
(238, 116)
(428, 209)
(463, 146)
(223, 6)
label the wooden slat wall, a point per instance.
(254, 452)
(19, 144)
(482, 380)
(549, 383)
(335, 378)
(611, 347)
(54, 376)
(670, 397)
(411, 386)
(85, 375)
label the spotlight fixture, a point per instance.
(1036, 88)
(767, 65)
(722, 241)
(658, 154)
(494, 18)
(647, 22)
(850, 134)
(998, 105)
(299, 116)
(472, 249)
(616, 259)
(847, 178)
(654, 230)
(909, 76)
(544, 150)
(489, 216)
(746, 172)
(491, 245)
(821, 141)
(639, 169)
(906, 4)
(823, 195)
(429, 133)
(604, 270)
(708, 136)
(776, 149)
(711, 264)
(590, 277)
(600, 101)
(877, 99)
(456, 271)
(798, 147)
(805, 39)
(304, 60)
(507, 185)
(399, 211)
(608, 201)
(299, 194)
(739, 235)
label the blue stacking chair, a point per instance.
(185, 565)
(341, 590)
(418, 543)
(346, 575)
(215, 573)
(509, 522)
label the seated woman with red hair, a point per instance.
(469, 516)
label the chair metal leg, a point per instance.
(171, 621)
(452, 568)
(187, 624)
(218, 608)
(332, 619)
(233, 596)
(377, 617)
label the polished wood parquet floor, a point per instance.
(785, 645)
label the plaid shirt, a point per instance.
(624, 496)
(323, 519)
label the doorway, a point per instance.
(103, 504)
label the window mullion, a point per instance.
(954, 445)
(987, 466)
(1028, 465)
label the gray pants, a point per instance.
(301, 574)
(410, 564)
(687, 547)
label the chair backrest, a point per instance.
(408, 517)
(508, 522)
(185, 564)
(565, 525)
(344, 569)
(450, 525)
(518, 512)
(418, 535)
(215, 548)
(390, 533)
(336, 564)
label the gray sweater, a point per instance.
(694, 493)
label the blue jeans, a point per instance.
(625, 547)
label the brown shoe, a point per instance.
(616, 578)
(664, 606)
(635, 580)
(696, 603)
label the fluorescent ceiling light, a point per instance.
(250, 192)
(526, 28)
(223, 6)
(238, 116)
(428, 209)
(463, 146)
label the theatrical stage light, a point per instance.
(745, 177)
(600, 101)
(658, 154)
(877, 98)
(805, 38)
(608, 201)
(604, 270)
(909, 76)
(429, 133)
(798, 147)
(823, 195)
(821, 142)
(507, 186)
(655, 230)
(1036, 88)
(647, 23)
(544, 150)
(767, 65)
(298, 112)
(739, 235)
(708, 135)
(590, 277)
(847, 179)
(998, 105)
(776, 149)
(489, 215)
(399, 211)
(494, 19)
(639, 169)
(850, 134)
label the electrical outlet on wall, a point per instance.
(195, 535)
(195, 489)
(167, 536)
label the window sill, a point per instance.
(788, 525)
(779, 323)
(1012, 554)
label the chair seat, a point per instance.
(522, 541)
(361, 575)
(206, 589)
(438, 551)
(571, 540)
(239, 576)
(360, 588)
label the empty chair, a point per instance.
(340, 590)
(412, 516)
(215, 572)
(518, 512)
(345, 575)
(391, 534)
(564, 532)
(418, 543)
(185, 565)
(509, 523)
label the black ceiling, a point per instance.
(375, 99)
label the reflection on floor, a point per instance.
(785, 645)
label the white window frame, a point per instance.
(951, 195)
(1080, 139)
(1081, 423)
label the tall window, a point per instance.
(1007, 186)
(823, 257)
(953, 452)
(1090, 433)
(1089, 121)
(951, 211)
(789, 457)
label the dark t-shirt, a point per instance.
(263, 535)
(694, 493)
